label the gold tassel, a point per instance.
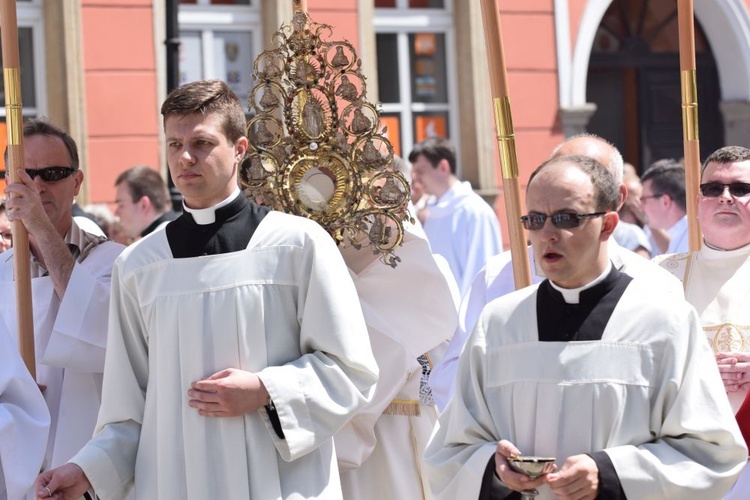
(404, 408)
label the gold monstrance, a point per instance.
(316, 145)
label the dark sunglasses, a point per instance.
(716, 189)
(51, 174)
(535, 222)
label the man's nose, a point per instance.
(725, 195)
(39, 184)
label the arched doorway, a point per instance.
(634, 80)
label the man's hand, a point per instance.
(578, 479)
(25, 204)
(513, 480)
(229, 393)
(734, 368)
(67, 482)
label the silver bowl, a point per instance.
(532, 466)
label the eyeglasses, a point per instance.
(535, 222)
(716, 189)
(51, 174)
(652, 196)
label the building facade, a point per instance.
(99, 69)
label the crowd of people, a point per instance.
(232, 351)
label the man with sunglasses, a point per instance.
(717, 277)
(600, 370)
(70, 270)
(496, 278)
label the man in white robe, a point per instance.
(24, 424)
(717, 277)
(459, 224)
(71, 271)
(597, 369)
(237, 347)
(496, 278)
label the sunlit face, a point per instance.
(427, 175)
(5, 235)
(570, 258)
(725, 220)
(41, 151)
(202, 161)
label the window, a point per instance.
(220, 39)
(31, 54)
(416, 78)
(33, 78)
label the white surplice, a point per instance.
(70, 341)
(24, 424)
(496, 279)
(648, 394)
(717, 284)
(284, 308)
(464, 229)
(410, 311)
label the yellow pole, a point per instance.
(506, 141)
(14, 119)
(690, 119)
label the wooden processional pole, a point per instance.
(506, 141)
(14, 120)
(690, 134)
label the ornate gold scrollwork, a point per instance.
(308, 158)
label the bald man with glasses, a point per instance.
(600, 370)
(716, 278)
(70, 270)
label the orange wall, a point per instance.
(120, 82)
(530, 52)
(340, 14)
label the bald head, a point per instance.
(594, 147)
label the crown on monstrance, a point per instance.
(316, 145)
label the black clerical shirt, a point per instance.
(559, 321)
(232, 230)
(165, 217)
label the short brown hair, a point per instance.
(145, 181)
(606, 186)
(435, 149)
(727, 154)
(208, 96)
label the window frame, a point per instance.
(30, 14)
(404, 21)
(207, 19)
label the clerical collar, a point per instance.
(711, 252)
(205, 216)
(572, 295)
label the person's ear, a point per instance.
(623, 195)
(241, 147)
(444, 167)
(79, 181)
(144, 203)
(610, 223)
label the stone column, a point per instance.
(736, 122)
(575, 120)
(476, 116)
